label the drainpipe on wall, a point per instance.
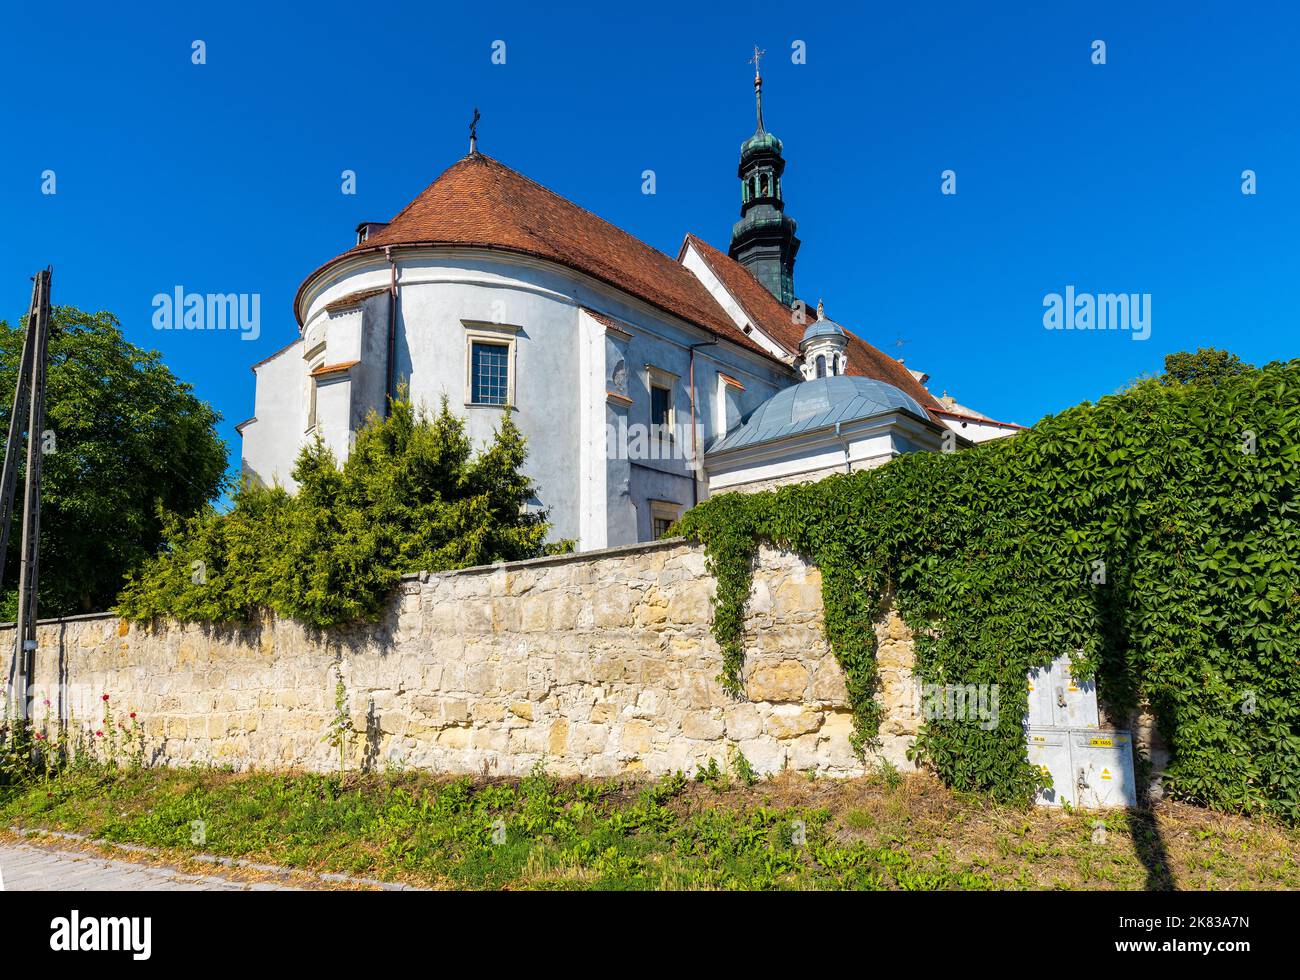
(392, 330)
(848, 464)
(695, 441)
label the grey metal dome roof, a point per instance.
(814, 405)
(822, 328)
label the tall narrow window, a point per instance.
(659, 386)
(821, 365)
(661, 412)
(489, 374)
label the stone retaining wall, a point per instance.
(601, 664)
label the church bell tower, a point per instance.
(763, 240)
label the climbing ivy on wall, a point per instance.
(1154, 536)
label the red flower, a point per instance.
(133, 716)
(105, 697)
(47, 702)
(99, 734)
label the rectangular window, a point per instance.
(489, 374)
(661, 405)
(663, 514)
(660, 385)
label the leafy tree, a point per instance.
(128, 438)
(1208, 365)
(412, 496)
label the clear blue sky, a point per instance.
(1124, 177)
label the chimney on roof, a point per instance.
(368, 228)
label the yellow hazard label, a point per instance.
(1105, 774)
(1073, 689)
(1102, 742)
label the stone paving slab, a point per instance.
(25, 867)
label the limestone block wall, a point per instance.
(600, 664)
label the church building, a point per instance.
(643, 383)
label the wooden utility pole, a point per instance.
(29, 400)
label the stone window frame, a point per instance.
(665, 381)
(497, 335)
(314, 359)
(663, 510)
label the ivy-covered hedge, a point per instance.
(1154, 535)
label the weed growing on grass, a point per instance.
(542, 832)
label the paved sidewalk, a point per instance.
(24, 867)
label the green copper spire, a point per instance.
(763, 240)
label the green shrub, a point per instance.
(412, 496)
(1152, 535)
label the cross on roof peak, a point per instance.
(473, 131)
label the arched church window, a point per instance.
(762, 184)
(821, 365)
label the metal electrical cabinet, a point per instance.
(1103, 766)
(1090, 768)
(1049, 753)
(1057, 700)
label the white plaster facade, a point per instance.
(579, 383)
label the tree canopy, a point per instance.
(127, 438)
(1207, 365)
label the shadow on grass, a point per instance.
(1150, 849)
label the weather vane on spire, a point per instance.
(758, 83)
(473, 132)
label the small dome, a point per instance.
(760, 142)
(822, 327)
(815, 405)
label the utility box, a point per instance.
(1041, 714)
(1091, 769)
(1057, 700)
(1103, 766)
(1049, 753)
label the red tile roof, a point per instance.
(479, 202)
(775, 320)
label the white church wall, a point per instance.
(642, 471)
(272, 440)
(333, 409)
(594, 385)
(561, 376)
